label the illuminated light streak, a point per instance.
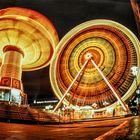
(136, 11)
(121, 44)
(76, 88)
(71, 85)
(116, 95)
(23, 33)
(28, 30)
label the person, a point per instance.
(138, 110)
(113, 112)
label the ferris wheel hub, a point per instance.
(88, 56)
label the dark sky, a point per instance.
(66, 14)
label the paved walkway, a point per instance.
(134, 133)
(72, 131)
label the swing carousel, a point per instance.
(27, 42)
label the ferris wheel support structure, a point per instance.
(89, 58)
(112, 89)
(68, 89)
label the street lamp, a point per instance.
(135, 71)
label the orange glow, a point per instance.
(115, 49)
(32, 32)
(28, 40)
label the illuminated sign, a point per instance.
(10, 82)
(42, 102)
(6, 81)
(16, 83)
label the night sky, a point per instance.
(65, 15)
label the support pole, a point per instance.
(116, 95)
(70, 85)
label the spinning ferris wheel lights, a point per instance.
(113, 48)
(71, 84)
(112, 89)
(89, 57)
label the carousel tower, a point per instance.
(12, 66)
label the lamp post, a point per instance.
(59, 115)
(105, 103)
(135, 71)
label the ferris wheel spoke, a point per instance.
(112, 89)
(77, 86)
(68, 89)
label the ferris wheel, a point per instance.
(92, 65)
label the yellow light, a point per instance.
(114, 49)
(30, 31)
